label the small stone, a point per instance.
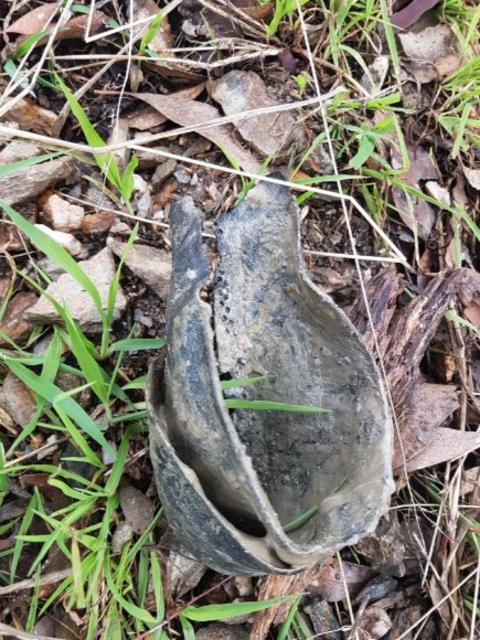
(151, 265)
(375, 623)
(137, 508)
(473, 177)
(182, 176)
(13, 324)
(438, 192)
(101, 270)
(96, 223)
(65, 240)
(120, 229)
(143, 199)
(60, 214)
(122, 534)
(185, 573)
(163, 170)
(17, 400)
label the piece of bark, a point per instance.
(404, 335)
(273, 587)
(30, 182)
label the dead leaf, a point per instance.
(9, 237)
(163, 38)
(191, 113)
(385, 547)
(435, 46)
(268, 133)
(35, 20)
(330, 585)
(427, 406)
(404, 336)
(183, 573)
(148, 118)
(374, 624)
(446, 445)
(472, 313)
(470, 480)
(409, 15)
(414, 212)
(473, 177)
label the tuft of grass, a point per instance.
(107, 162)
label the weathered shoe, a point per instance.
(254, 492)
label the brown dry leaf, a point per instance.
(268, 133)
(147, 118)
(40, 19)
(375, 623)
(470, 480)
(427, 406)
(409, 15)
(421, 169)
(446, 445)
(330, 584)
(190, 113)
(435, 46)
(10, 239)
(35, 20)
(163, 38)
(472, 313)
(473, 177)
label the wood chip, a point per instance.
(28, 183)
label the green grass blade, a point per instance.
(55, 252)
(29, 43)
(243, 382)
(137, 344)
(51, 392)
(211, 612)
(15, 167)
(266, 405)
(106, 162)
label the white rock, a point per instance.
(473, 177)
(101, 270)
(65, 240)
(61, 214)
